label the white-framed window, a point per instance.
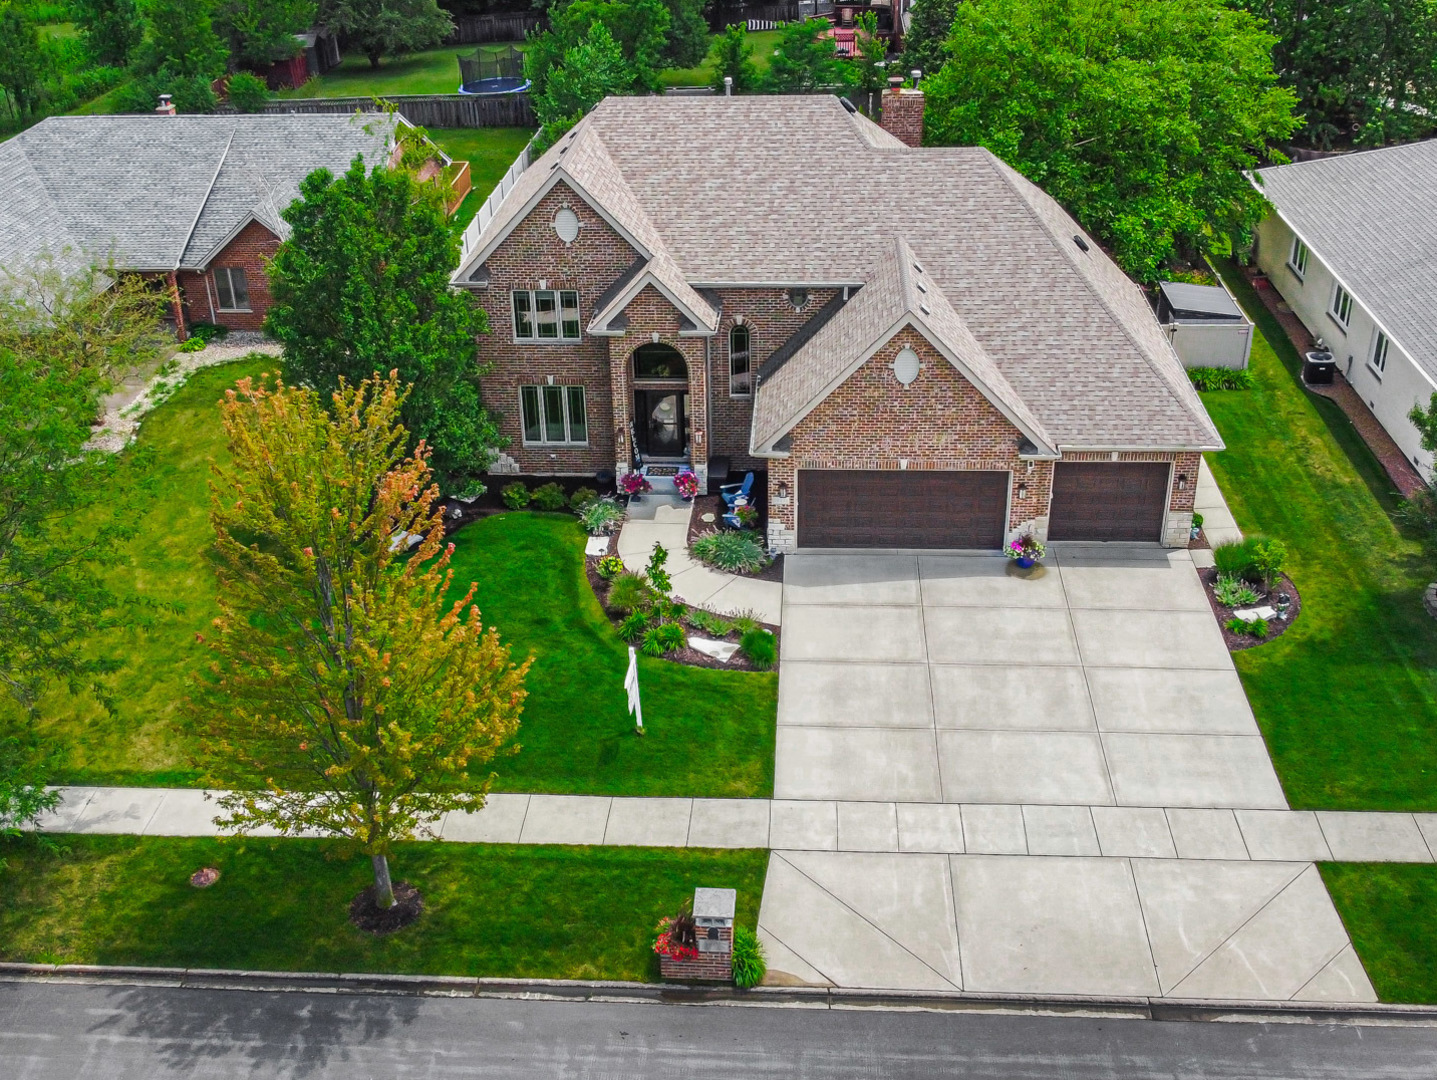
(740, 375)
(554, 415)
(1297, 258)
(1379, 353)
(546, 315)
(231, 289)
(1342, 307)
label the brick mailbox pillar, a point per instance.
(713, 925)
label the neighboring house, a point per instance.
(1352, 248)
(195, 200)
(940, 358)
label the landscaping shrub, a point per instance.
(760, 647)
(735, 552)
(1269, 556)
(516, 495)
(629, 592)
(746, 622)
(670, 610)
(709, 623)
(1233, 591)
(666, 638)
(209, 331)
(749, 963)
(550, 496)
(248, 93)
(634, 626)
(1217, 378)
(1258, 559)
(581, 498)
(610, 567)
(1234, 558)
(1197, 520)
(1251, 627)
(600, 517)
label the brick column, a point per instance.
(902, 114)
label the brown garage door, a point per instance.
(1108, 501)
(919, 509)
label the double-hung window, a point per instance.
(231, 288)
(740, 378)
(1342, 307)
(1379, 353)
(546, 315)
(1297, 258)
(554, 415)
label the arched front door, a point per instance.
(661, 402)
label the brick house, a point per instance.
(938, 357)
(192, 200)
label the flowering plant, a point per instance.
(634, 483)
(1026, 547)
(746, 516)
(610, 567)
(687, 483)
(676, 936)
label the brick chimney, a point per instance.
(166, 106)
(902, 115)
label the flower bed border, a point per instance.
(1276, 627)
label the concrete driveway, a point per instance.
(1054, 735)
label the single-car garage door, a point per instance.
(905, 509)
(1108, 501)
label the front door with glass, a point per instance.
(661, 422)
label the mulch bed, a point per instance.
(691, 657)
(1275, 627)
(712, 504)
(373, 919)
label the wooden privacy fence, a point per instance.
(477, 29)
(427, 110)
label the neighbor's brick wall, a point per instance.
(251, 251)
(532, 253)
(706, 967)
(939, 421)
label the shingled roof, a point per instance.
(164, 192)
(796, 191)
(1371, 217)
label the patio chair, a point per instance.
(731, 493)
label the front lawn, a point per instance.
(507, 911)
(711, 732)
(1388, 911)
(1347, 700)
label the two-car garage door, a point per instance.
(928, 509)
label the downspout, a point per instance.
(708, 405)
(209, 295)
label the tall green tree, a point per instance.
(260, 32)
(588, 73)
(110, 28)
(362, 285)
(380, 28)
(24, 61)
(924, 44)
(733, 58)
(639, 26)
(180, 40)
(1140, 118)
(870, 61)
(686, 42)
(346, 696)
(806, 60)
(1364, 71)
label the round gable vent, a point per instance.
(906, 365)
(566, 224)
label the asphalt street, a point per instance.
(74, 1031)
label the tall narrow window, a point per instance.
(740, 378)
(231, 289)
(554, 415)
(1379, 353)
(546, 315)
(1342, 307)
(1297, 259)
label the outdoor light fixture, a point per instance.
(1022, 491)
(781, 492)
(1182, 481)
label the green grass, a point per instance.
(434, 71)
(489, 151)
(763, 42)
(1388, 911)
(711, 732)
(1347, 699)
(539, 912)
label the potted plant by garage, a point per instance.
(1026, 551)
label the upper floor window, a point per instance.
(1297, 259)
(546, 315)
(232, 289)
(1342, 307)
(554, 414)
(1379, 353)
(740, 380)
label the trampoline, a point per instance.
(492, 71)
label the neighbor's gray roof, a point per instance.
(1371, 217)
(797, 191)
(160, 192)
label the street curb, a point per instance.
(815, 997)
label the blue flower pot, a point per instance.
(1025, 562)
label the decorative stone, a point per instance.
(722, 651)
(707, 519)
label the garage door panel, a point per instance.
(917, 509)
(1122, 501)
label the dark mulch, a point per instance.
(712, 504)
(692, 657)
(1275, 627)
(373, 919)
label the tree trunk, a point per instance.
(374, 60)
(383, 887)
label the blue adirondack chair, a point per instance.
(731, 493)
